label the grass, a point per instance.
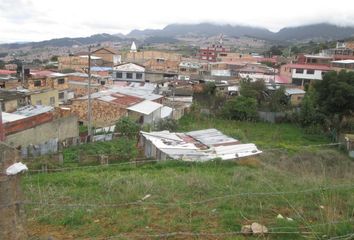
(265, 135)
(213, 197)
(175, 185)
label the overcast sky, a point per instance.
(35, 20)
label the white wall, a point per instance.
(316, 76)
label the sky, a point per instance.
(36, 20)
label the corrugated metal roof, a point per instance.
(145, 107)
(211, 137)
(166, 112)
(182, 146)
(11, 117)
(33, 110)
(292, 91)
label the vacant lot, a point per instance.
(314, 186)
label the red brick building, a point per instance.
(210, 53)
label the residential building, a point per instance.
(131, 72)
(12, 99)
(300, 74)
(343, 64)
(79, 62)
(320, 59)
(38, 130)
(144, 56)
(109, 56)
(213, 52)
(145, 112)
(295, 96)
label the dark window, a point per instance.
(310, 71)
(119, 75)
(139, 76)
(129, 75)
(299, 71)
(61, 95)
(61, 81)
(37, 83)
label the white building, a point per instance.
(130, 72)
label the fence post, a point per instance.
(12, 217)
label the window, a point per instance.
(299, 70)
(183, 69)
(139, 76)
(119, 75)
(61, 81)
(39, 102)
(129, 75)
(224, 54)
(310, 71)
(61, 95)
(52, 101)
(37, 83)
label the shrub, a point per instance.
(241, 108)
(127, 127)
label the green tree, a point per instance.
(309, 114)
(54, 58)
(277, 101)
(256, 90)
(241, 108)
(127, 127)
(335, 94)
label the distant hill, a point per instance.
(66, 42)
(170, 34)
(202, 29)
(321, 31)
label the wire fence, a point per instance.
(298, 230)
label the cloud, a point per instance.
(24, 20)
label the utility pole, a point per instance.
(89, 115)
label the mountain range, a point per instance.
(171, 33)
(322, 31)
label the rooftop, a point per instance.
(202, 145)
(308, 66)
(348, 61)
(145, 107)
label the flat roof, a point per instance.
(348, 61)
(145, 107)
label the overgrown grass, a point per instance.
(313, 186)
(178, 192)
(265, 135)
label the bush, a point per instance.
(241, 108)
(127, 127)
(166, 124)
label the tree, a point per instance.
(309, 114)
(277, 101)
(241, 108)
(256, 90)
(54, 58)
(127, 127)
(335, 94)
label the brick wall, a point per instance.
(30, 122)
(103, 113)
